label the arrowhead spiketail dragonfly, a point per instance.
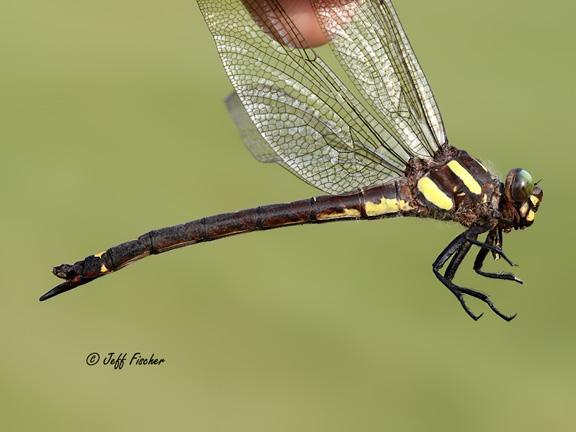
(377, 151)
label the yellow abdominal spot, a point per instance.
(384, 206)
(530, 216)
(346, 213)
(433, 194)
(465, 176)
(103, 268)
(534, 200)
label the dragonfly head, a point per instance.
(521, 199)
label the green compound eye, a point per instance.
(519, 185)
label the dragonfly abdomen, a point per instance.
(391, 199)
(386, 200)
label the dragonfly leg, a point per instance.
(486, 245)
(486, 299)
(479, 262)
(457, 250)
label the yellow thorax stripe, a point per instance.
(434, 194)
(470, 182)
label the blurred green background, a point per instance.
(112, 123)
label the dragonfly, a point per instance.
(376, 147)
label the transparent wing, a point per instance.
(370, 44)
(251, 137)
(309, 121)
(262, 151)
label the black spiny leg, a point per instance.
(486, 299)
(458, 249)
(472, 236)
(453, 249)
(483, 253)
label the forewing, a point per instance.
(370, 43)
(311, 122)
